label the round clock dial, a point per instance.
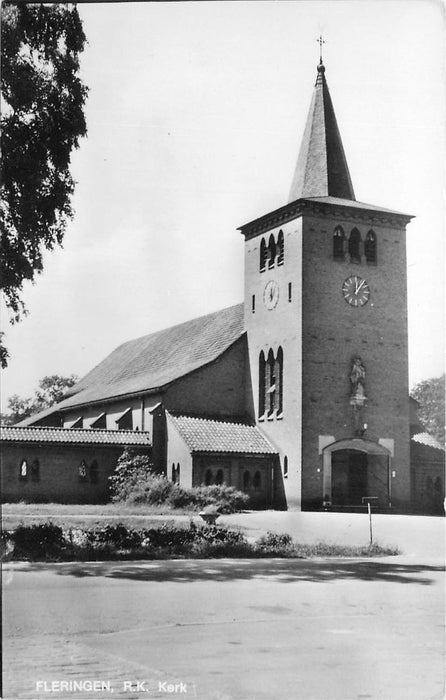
(271, 294)
(356, 291)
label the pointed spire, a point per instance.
(321, 169)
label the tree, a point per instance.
(430, 394)
(51, 390)
(42, 121)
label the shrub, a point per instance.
(135, 482)
(227, 499)
(38, 541)
(131, 472)
(280, 544)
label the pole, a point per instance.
(369, 508)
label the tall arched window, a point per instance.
(208, 477)
(270, 383)
(354, 246)
(257, 481)
(261, 384)
(370, 251)
(263, 255)
(280, 249)
(278, 373)
(246, 480)
(338, 243)
(219, 478)
(271, 251)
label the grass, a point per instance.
(87, 515)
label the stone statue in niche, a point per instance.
(357, 396)
(357, 379)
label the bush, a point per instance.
(135, 482)
(37, 541)
(131, 473)
(279, 544)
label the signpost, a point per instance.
(369, 500)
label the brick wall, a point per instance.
(335, 332)
(59, 479)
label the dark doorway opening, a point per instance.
(349, 477)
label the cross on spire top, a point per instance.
(320, 41)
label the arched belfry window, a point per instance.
(270, 383)
(278, 373)
(263, 255)
(280, 249)
(370, 250)
(354, 246)
(261, 383)
(339, 243)
(271, 251)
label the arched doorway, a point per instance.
(353, 470)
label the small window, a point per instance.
(354, 246)
(290, 291)
(219, 478)
(338, 243)
(257, 481)
(24, 469)
(35, 470)
(263, 255)
(208, 477)
(370, 251)
(246, 480)
(125, 420)
(178, 473)
(285, 467)
(82, 470)
(280, 249)
(253, 303)
(174, 472)
(100, 422)
(94, 472)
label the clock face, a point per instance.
(271, 294)
(356, 291)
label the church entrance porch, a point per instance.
(355, 470)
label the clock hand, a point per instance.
(358, 288)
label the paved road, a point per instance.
(226, 630)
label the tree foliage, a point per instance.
(430, 394)
(42, 120)
(51, 390)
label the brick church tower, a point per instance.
(326, 317)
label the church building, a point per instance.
(298, 396)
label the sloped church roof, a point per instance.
(152, 361)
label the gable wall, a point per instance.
(216, 389)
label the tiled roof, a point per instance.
(151, 362)
(209, 435)
(81, 436)
(428, 440)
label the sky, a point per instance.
(195, 115)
